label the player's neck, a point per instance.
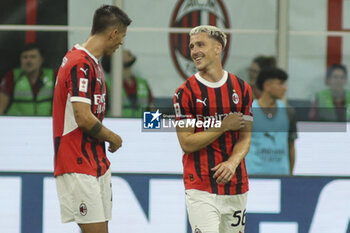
(212, 74)
(94, 45)
(267, 101)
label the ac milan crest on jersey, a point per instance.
(235, 98)
(189, 13)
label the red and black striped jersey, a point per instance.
(79, 79)
(199, 99)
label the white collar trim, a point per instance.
(79, 47)
(217, 84)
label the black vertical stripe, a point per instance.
(57, 142)
(210, 150)
(105, 163)
(74, 77)
(233, 107)
(241, 84)
(103, 145)
(94, 152)
(211, 164)
(197, 163)
(83, 145)
(239, 179)
(222, 141)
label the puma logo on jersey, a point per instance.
(202, 101)
(85, 71)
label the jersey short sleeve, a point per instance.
(79, 83)
(183, 106)
(247, 102)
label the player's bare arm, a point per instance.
(225, 170)
(92, 126)
(4, 101)
(291, 148)
(191, 141)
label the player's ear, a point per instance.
(218, 48)
(112, 34)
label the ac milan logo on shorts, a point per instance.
(83, 209)
(189, 14)
(197, 230)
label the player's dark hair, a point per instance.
(335, 67)
(109, 15)
(267, 74)
(265, 62)
(32, 46)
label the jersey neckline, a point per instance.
(79, 47)
(217, 84)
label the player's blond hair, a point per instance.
(213, 32)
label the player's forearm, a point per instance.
(94, 128)
(100, 132)
(4, 101)
(291, 156)
(240, 150)
(197, 141)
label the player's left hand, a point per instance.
(224, 172)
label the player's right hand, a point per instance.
(234, 121)
(115, 143)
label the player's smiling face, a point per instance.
(203, 50)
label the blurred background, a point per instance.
(304, 38)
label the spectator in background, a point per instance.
(274, 129)
(28, 90)
(137, 96)
(136, 93)
(259, 63)
(332, 104)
